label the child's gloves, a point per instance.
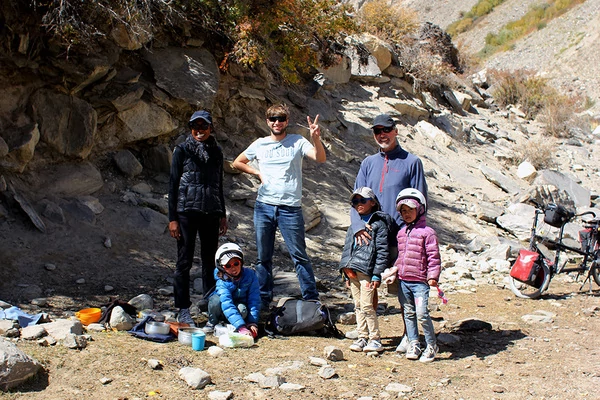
(244, 331)
(389, 275)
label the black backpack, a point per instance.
(294, 316)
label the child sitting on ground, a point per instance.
(236, 299)
(418, 268)
(361, 266)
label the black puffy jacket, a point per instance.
(196, 185)
(369, 259)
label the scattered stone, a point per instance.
(107, 243)
(40, 301)
(498, 389)
(317, 361)
(95, 327)
(539, 316)
(61, 327)
(348, 318)
(220, 395)
(80, 281)
(398, 388)
(195, 377)
(33, 332)
(254, 377)
(332, 353)
(108, 288)
(120, 320)
(49, 267)
(288, 365)
(154, 363)
(142, 302)
(352, 335)
(72, 341)
(105, 381)
(271, 382)
(215, 351)
(291, 387)
(327, 372)
(448, 339)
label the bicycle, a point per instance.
(532, 272)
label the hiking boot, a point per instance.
(373, 345)
(358, 345)
(208, 328)
(403, 346)
(185, 317)
(429, 353)
(414, 350)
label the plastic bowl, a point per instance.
(185, 335)
(89, 315)
(157, 328)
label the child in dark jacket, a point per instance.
(418, 268)
(362, 264)
(236, 299)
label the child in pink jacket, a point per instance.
(417, 267)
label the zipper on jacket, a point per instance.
(384, 171)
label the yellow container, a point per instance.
(89, 315)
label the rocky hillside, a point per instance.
(563, 51)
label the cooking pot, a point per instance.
(157, 328)
(185, 335)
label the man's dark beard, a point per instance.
(283, 131)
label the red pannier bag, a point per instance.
(526, 269)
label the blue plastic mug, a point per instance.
(198, 341)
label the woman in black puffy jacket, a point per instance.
(196, 207)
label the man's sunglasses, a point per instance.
(362, 200)
(199, 126)
(232, 263)
(387, 129)
(282, 118)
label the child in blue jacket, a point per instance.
(236, 299)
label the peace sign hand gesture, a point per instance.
(315, 130)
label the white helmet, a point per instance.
(225, 253)
(414, 194)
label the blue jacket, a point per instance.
(387, 174)
(244, 290)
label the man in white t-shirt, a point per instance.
(279, 199)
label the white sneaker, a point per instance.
(373, 345)
(429, 353)
(414, 350)
(358, 345)
(403, 346)
(208, 328)
(185, 317)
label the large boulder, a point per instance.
(16, 367)
(71, 180)
(67, 123)
(191, 75)
(20, 146)
(144, 121)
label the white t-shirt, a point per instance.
(280, 164)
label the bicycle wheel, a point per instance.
(526, 291)
(596, 268)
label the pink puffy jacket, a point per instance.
(418, 253)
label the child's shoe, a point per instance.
(403, 346)
(373, 345)
(185, 317)
(429, 353)
(358, 345)
(414, 350)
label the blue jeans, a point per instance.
(414, 297)
(267, 218)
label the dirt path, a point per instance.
(515, 360)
